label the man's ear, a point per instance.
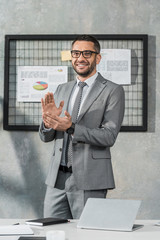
(98, 58)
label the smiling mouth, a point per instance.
(82, 64)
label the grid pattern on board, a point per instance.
(48, 53)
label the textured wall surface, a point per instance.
(24, 158)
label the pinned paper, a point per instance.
(66, 55)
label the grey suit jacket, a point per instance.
(95, 132)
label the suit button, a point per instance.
(60, 149)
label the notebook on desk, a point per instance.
(109, 214)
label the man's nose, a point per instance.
(81, 57)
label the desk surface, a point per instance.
(148, 232)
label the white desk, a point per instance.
(148, 232)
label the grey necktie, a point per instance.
(75, 112)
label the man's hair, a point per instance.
(88, 38)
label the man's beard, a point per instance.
(87, 72)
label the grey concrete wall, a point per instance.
(24, 158)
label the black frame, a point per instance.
(8, 38)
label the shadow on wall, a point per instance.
(151, 83)
(27, 192)
(27, 155)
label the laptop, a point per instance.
(110, 214)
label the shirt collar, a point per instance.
(90, 80)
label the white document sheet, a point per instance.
(33, 82)
(115, 65)
(21, 229)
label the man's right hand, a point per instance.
(49, 106)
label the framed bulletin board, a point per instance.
(45, 50)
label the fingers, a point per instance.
(61, 105)
(67, 115)
(46, 124)
(50, 121)
(48, 105)
(50, 117)
(51, 98)
(56, 122)
(42, 103)
(48, 98)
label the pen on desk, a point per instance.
(16, 223)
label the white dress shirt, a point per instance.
(90, 81)
(85, 92)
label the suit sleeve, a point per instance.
(46, 135)
(107, 133)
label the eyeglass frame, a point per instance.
(81, 52)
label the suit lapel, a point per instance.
(97, 88)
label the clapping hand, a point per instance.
(51, 114)
(49, 106)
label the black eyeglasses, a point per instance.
(85, 54)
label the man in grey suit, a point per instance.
(80, 165)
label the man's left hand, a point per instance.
(56, 122)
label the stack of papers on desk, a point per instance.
(15, 230)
